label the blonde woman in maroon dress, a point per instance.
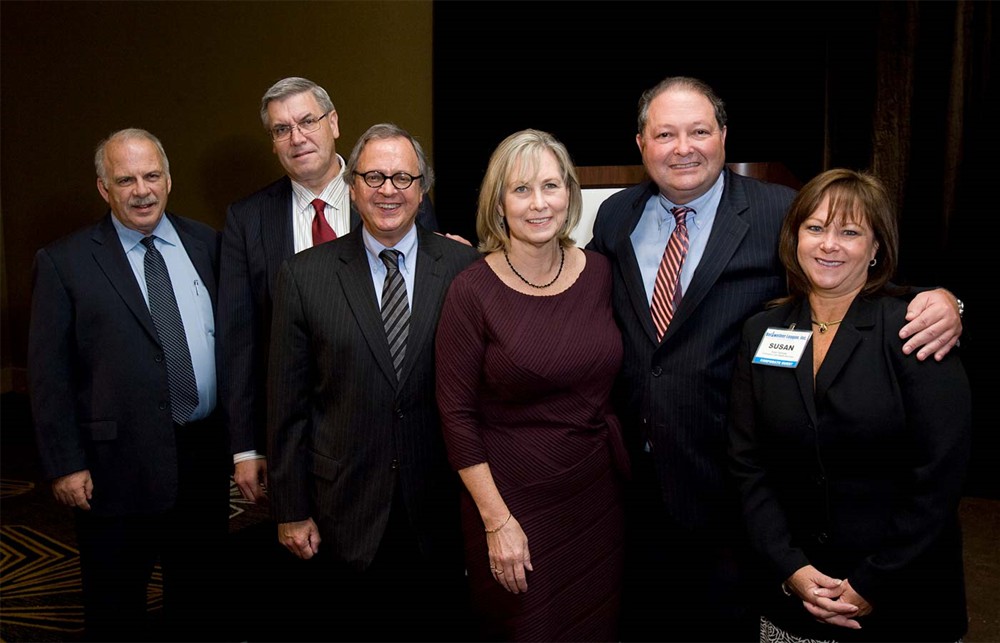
(527, 352)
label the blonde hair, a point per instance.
(522, 149)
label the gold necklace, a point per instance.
(825, 326)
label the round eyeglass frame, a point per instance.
(376, 179)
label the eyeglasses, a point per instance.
(401, 180)
(305, 126)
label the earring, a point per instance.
(871, 264)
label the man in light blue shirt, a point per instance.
(147, 476)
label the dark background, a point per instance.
(810, 84)
(801, 81)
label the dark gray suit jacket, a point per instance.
(675, 393)
(256, 240)
(99, 391)
(341, 429)
(859, 475)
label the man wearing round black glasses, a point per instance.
(310, 204)
(360, 482)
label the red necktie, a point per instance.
(322, 232)
(667, 289)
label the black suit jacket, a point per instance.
(860, 474)
(257, 239)
(341, 429)
(98, 381)
(675, 393)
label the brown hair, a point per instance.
(854, 196)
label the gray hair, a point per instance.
(287, 87)
(126, 135)
(383, 131)
(682, 82)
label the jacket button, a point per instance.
(158, 358)
(163, 405)
(657, 371)
(394, 464)
(821, 538)
(400, 414)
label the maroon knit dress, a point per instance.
(524, 383)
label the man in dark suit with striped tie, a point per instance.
(359, 481)
(121, 361)
(686, 576)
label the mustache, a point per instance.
(138, 203)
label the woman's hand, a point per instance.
(852, 597)
(823, 597)
(509, 557)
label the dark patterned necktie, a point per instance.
(395, 309)
(321, 230)
(667, 289)
(170, 329)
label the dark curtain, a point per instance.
(901, 88)
(933, 136)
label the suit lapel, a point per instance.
(429, 287)
(804, 371)
(631, 274)
(860, 315)
(110, 256)
(277, 236)
(356, 282)
(728, 231)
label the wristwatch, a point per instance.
(961, 307)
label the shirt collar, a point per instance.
(699, 205)
(407, 246)
(130, 238)
(330, 194)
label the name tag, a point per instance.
(782, 347)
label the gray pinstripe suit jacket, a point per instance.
(256, 240)
(341, 429)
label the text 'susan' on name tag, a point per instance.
(782, 347)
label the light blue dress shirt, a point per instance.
(649, 239)
(193, 300)
(407, 262)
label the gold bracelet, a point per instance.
(502, 525)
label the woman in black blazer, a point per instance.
(850, 456)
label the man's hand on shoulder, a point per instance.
(455, 237)
(934, 324)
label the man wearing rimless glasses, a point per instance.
(309, 205)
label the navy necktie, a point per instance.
(170, 329)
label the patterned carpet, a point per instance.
(40, 575)
(40, 597)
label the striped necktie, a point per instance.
(667, 289)
(395, 309)
(170, 330)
